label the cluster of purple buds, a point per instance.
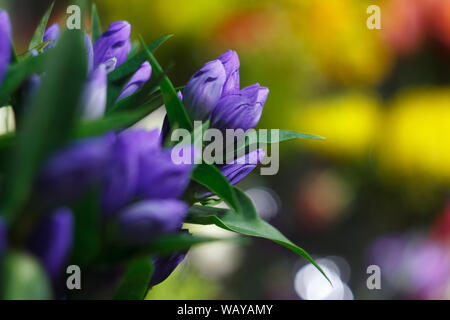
(110, 51)
(140, 184)
(213, 93)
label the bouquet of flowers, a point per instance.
(92, 206)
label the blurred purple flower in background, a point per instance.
(52, 241)
(5, 43)
(73, 170)
(51, 34)
(145, 220)
(141, 186)
(113, 43)
(137, 80)
(413, 265)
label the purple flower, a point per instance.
(72, 171)
(5, 43)
(52, 241)
(122, 178)
(242, 166)
(164, 266)
(137, 80)
(213, 93)
(173, 179)
(240, 110)
(94, 95)
(230, 61)
(204, 90)
(113, 43)
(149, 219)
(51, 34)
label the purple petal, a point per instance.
(203, 90)
(52, 241)
(113, 43)
(5, 43)
(164, 266)
(137, 81)
(94, 95)
(51, 34)
(230, 61)
(242, 166)
(241, 110)
(121, 182)
(89, 52)
(161, 178)
(146, 220)
(73, 170)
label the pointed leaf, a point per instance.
(38, 35)
(135, 282)
(247, 222)
(96, 25)
(176, 112)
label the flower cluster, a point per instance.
(143, 194)
(213, 94)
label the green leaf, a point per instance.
(121, 75)
(210, 177)
(247, 222)
(38, 35)
(266, 136)
(23, 278)
(178, 117)
(163, 245)
(50, 119)
(135, 282)
(96, 25)
(18, 73)
(87, 241)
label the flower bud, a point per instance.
(241, 110)
(230, 61)
(51, 34)
(137, 81)
(203, 90)
(113, 43)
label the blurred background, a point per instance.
(376, 191)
